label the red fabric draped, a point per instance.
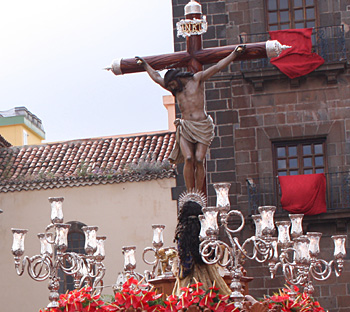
(298, 60)
(304, 193)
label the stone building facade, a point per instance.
(259, 111)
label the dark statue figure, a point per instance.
(191, 267)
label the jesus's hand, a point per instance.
(240, 49)
(140, 61)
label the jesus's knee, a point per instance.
(189, 159)
(199, 159)
(200, 154)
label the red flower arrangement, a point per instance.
(138, 297)
(302, 302)
(78, 300)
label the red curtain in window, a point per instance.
(304, 193)
(298, 60)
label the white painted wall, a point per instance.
(123, 212)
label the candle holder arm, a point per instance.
(260, 247)
(69, 263)
(213, 252)
(98, 281)
(155, 263)
(321, 270)
(38, 266)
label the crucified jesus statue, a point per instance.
(195, 129)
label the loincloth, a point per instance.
(193, 132)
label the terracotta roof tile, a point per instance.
(86, 162)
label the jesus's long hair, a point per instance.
(187, 233)
(175, 74)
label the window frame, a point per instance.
(291, 14)
(67, 281)
(25, 137)
(299, 143)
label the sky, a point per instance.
(52, 55)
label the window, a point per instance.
(76, 242)
(289, 14)
(25, 137)
(299, 157)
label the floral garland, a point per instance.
(135, 296)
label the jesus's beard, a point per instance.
(179, 87)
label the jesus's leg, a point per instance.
(201, 150)
(187, 150)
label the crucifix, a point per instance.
(195, 130)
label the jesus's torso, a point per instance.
(191, 101)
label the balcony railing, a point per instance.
(266, 192)
(328, 42)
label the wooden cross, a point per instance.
(195, 57)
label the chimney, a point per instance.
(169, 103)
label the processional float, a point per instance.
(297, 257)
(296, 254)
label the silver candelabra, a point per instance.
(163, 256)
(298, 257)
(161, 264)
(86, 269)
(129, 267)
(264, 247)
